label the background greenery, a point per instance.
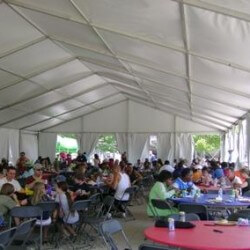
(207, 144)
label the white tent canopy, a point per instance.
(61, 60)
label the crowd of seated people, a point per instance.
(200, 175)
(65, 181)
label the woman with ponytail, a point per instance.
(66, 215)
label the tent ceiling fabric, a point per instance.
(62, 59)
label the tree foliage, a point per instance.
(207, 143)
(107, 143)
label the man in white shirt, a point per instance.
(167, 167)
(10, 178)
(234, 180)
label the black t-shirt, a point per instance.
(247, 188)
(83, 186)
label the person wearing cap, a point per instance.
(37, 177)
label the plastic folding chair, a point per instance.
(151, 247)
(194, 208)
(6, 237)
(247, 193)
(50, 207)
(108, 229)
(129, 191)
(27, 213)
(160, 204)
(23, 232)
(188, 217)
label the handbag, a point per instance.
(178, 224)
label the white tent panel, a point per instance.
(19, 92)
(61, 108)
(220, 96)
(79, 112)
(60, 75)
(45, 124)
(215, 114)
(73, 126)
(215, 106)
(17, 33)
(9, 114)
(239, 5)
(109, 101)
(66, 30)
(9, 146)
(47, 145)
(156, 56)
(111, 119)
(165, 91)
(27, 121)
(189, 126)
(219, 75)
(59, 7)
(82, 85)
(29, 145)
(39, 102)
(99, 93)
(212, 119)
(104, 69)
(91, 56)
(215, 35)
(7, 79)
(48, 52)
(160, 77)
(210, 124)
(146, 119)
(143, 18)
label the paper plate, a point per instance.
(225, 223)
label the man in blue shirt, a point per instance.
(185, 181)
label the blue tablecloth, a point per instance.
(207, 200)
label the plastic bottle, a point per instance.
(220, 193)
(182, 216)
(171, 225)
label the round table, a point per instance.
(207, 200)
(202, 237)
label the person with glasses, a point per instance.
(37, 177)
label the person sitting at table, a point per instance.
(167, 167)
(21, 162)
(242, 173)
(185, 181)
(80, 187)
(37, 177)
(8, 200)
(232, 179)
(67, 217)
(120, 183)
(11, 178)
(178, 170)
(197, 173)
(162, 190)
(206, 178)
(134, 176)
(40, 196)
(217, 170)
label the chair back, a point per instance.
(26, 212)
(151, 247)
(110, 227)
(188, 217)
(81, 205)
(7, 236)
(212, 191)
(194, 208)
(48, 206)
(247, 193)
(160, 204)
